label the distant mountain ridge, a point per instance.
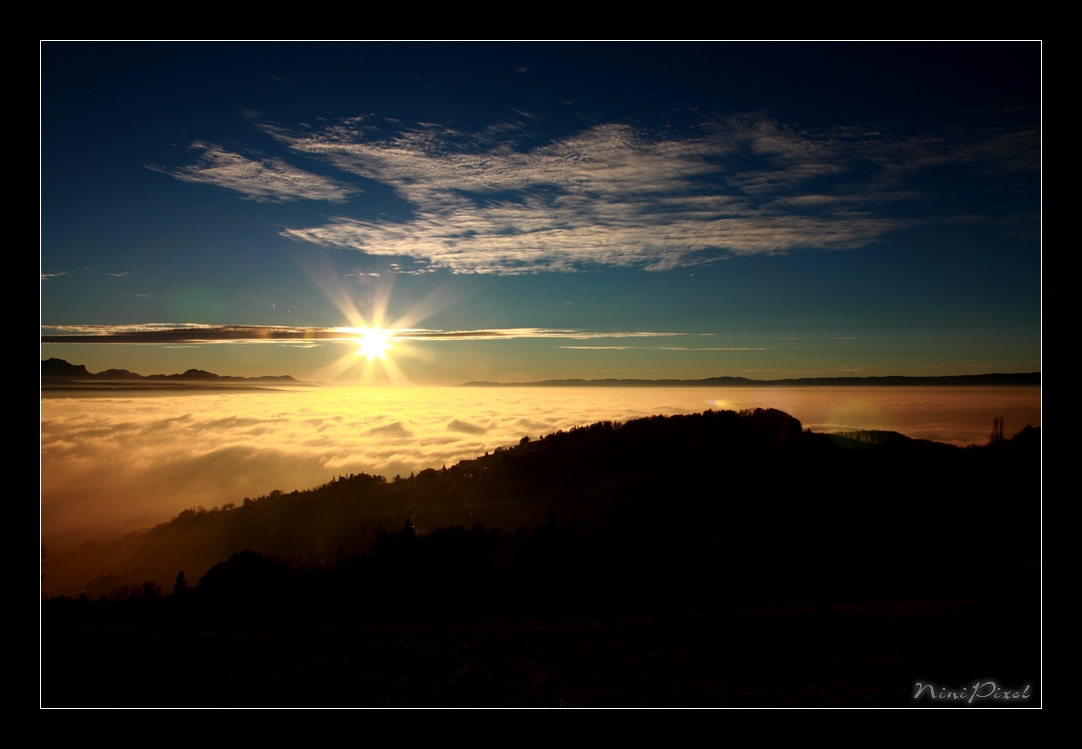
(60, 374)
(1021, 378)
(58, 368)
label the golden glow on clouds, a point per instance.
(113, 459)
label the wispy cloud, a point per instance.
(164, 333)
(609, 197)
(266, 180)
(664, 348)
(47, 276)
(612, 196)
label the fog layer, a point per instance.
(111, 460)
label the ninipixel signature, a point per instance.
(978, 691)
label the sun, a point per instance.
(374, 343)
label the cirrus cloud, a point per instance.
(264, 180)
(612, 196)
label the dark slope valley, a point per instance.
(719, 558)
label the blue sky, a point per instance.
(576, 210)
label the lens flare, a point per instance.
(374, 343)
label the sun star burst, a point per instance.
(374, 343)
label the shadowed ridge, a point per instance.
(191, 374)
(117, 374)
(61, 368)
(1032, 379)
(638, 547)
(58, 375)
(754, 479)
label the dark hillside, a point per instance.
(752, 491)
(713, 559)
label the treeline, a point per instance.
(577, 572)
(746, 495)
(450, 572)
(562, 614)
(646, 581)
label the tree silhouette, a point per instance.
(151, 590)
(180, 587)
(997, 430)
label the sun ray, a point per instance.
(374, 343)
(376, 339)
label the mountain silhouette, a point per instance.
(755, 483)
(711, 559)
(58, 374)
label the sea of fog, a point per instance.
(116, 463)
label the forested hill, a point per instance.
(751, 490)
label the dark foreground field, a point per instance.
(842, 655)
